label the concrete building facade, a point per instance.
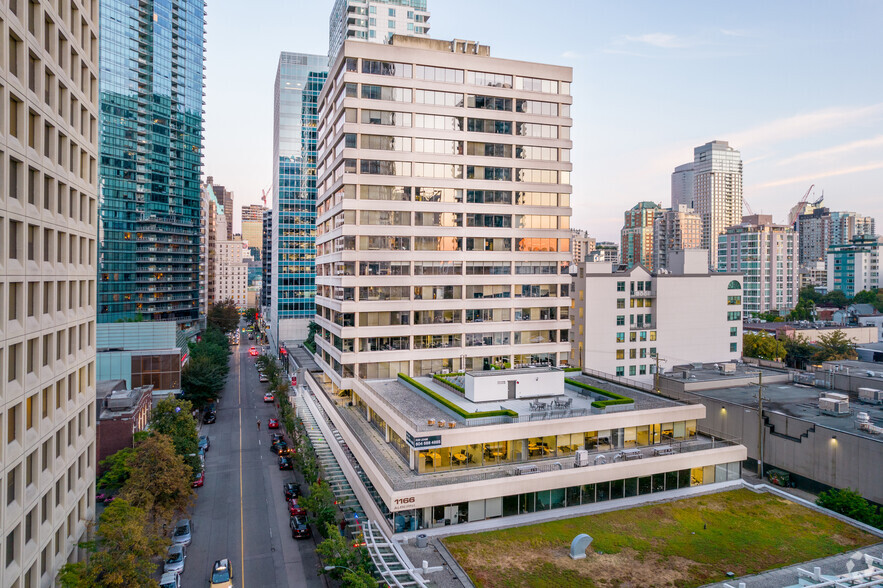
(637, 235)
(121, 414)
(855, 266)
(606, 251)
(231, 273)
(444, 207)
(581, 245)
(624, 318)
(767, 255)
(675, 228)
(48, 269)
(225, 199)
(682, 186)
(267, 262)
(375, 21)
(717, 192)
(253, 226)
(822, 228)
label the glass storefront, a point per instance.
(515, 504)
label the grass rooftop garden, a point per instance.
(452, 406)
(613, 397)
(684, 543)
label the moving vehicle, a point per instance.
(290, 490)
(170, 580)
(268, 397)
(182, 534)
(273, 423)
(175, 557)
(278, 447)
(300, 529)
(198, 480)
(222, 574)
(204, 442)
(253, 351)
(285, 463)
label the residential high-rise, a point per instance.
(624, 318)
(717, 191)
(682, 186)
(253, 225)
(444, 210)
(766, 254)
(375, 21)
(605, 251)
(267, 262)
(299, 79)
(225, 199)
(49, 212)
(855, 266)
(580, 245)
(212, 211)
(151, 95)
(823, 229)
(675, 228)
(637, 234)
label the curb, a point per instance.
(452, 564)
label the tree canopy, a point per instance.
(337, 551)
(850, 503)
(320, 505)
(224, 315)
(174, 418)
(835, 345)
(762, 347)
(116, 470)
(799, 351)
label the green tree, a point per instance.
(835, 346)
(116, 470)
(850, 503)
(224, 315)
(320, 505)
(799, 351)
(809, 294)
(249, 316)
(865, 297)
(770, 317)
(835, 298)
(159, 481)
(123, 556)
(310, 341)
(357, 579)
(174, 418)
(202, 380)
(803, 310)
(762, 347)
(337, 551)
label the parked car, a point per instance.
(209, 417)
(291, 490)
(182, 534)
(276, 437)
(285, 463)
(253, 351)
(175, 557)
(300, 529)
(222, 574)
(296, 510)
(204, 442)
(262, 377)
(170, 580)
(278, 447)
(198, 479)
(268, 397)
(273, 423)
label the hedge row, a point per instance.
(447, 403)
(573, 369)
(613, 396)
(443, 378)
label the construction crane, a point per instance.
(747, 207)
(264, 193)
(797, 210)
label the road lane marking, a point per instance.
(241, 502)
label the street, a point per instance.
(243, 483)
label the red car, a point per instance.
(198, 480)
(253, 351)
(273, 424)
(296, 510)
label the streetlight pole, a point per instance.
(760, 400)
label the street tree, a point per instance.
(116, 470)
(123, 555)
(799, 351)
(174, 418)
(202, 380)
(358, 578)
(762, 347)
(224, 315)
(159, 482)
(835, 298)
(337, 551)
(310, 341)
(250, 314)
(835, 346)
(320, 505)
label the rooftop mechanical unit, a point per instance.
(870, 395)
(834, 404)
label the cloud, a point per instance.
(736, 33)
(810, 178)
(803, 125)
(661, 40)
(835, 150)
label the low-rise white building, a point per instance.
(624, 320)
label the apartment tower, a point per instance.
(151, 95)
(267, 262)
(49, 212)
(673, 229)
(375, 21)
(822, 229)
(253, 225)
(637, 234)
(682, 186)
(717, 191)
(580, 245)
(443, 230)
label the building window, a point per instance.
(620, 286)
(734, 285)
(620, 320)
(620, 303)
(734, 331)
(632, 370)
(734, 316)
(620, 337)
(620, 371)
(734, 347)
(620, 354)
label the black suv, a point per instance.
(300, 529)
(291, 490)
(209, 417)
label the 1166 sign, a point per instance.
(423, 442)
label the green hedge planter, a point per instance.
(443, 378)
(572, 369)
(450, 405)
(613, 396)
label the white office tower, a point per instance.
(375, 21)
(767, 255)
(443, 211)
(717, 191)
(682, 186)
(49, 210)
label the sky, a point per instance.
(796, 86)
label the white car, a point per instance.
(170, 580)
(175, 557)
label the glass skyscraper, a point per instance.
(299, 79)
(151, 100)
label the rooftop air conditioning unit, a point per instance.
(728, 368)
(870, 395)
(834, 404)
(582, 458)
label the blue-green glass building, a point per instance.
(151, 121)
(299, 80)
